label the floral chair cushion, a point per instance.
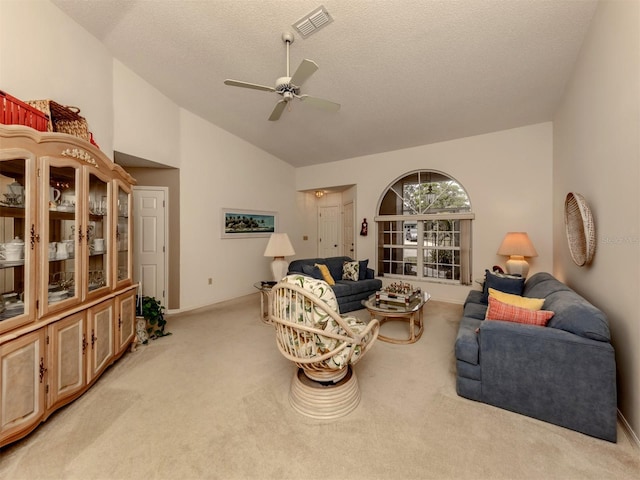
(312, 344)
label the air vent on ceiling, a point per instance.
(313, 22)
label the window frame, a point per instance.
(387, 234)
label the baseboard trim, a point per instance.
(175, 311)
(628, 431)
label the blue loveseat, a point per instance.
(348, 293)
(563, 373)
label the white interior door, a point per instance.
(150, 241)
(328, 243)
(348, 243)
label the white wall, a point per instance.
(57, 59)
(46, 55)
(507, 175)
(148, 123)
(597, 154)
(307, 226)
(219, 170)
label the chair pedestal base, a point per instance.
(320, 401)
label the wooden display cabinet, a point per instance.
(22, 383)
(67, 299)
(125, 321)
(67, 351)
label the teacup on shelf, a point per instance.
(98, 245)
(13, 199)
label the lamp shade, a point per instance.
(279, 246)
(517, 243)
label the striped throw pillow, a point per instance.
(510, 313)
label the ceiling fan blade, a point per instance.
(320, 103)
(277, 111)
(237, 83)
(304, 71)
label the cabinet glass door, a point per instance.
(62, 236)
(98, 234)
(15, 234)
(122, 234)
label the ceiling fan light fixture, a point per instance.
(289, 87)
(313, 22)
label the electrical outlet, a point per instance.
(305, 237)
(210, 281)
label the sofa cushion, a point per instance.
(350, 271)
(574, 314)
(335, 265)
(503, 283)
(312, 271)
(510, 313)
(342, 288)
(467, 341)
(326, 274)
(475, 310)
(517, 300)
(362, 269)
(474, 296)
(543, 284)
(296, 265)
(348, 287)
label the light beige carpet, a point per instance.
(210, 402)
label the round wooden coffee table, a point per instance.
(411, 314)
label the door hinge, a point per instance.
(163, 205)
(47, 339)
(38, 172)
(37, 304)
(163, 249)
(47, 389)
(162, 293)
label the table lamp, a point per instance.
(279, 247)
(516, 245)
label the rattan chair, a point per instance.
(324, 346)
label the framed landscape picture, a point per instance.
(240, 223)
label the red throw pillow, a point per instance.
(510, 313)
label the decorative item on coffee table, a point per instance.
(398, 294)
(399, 301)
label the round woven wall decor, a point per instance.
(581, 231)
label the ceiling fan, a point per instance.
(289, 87)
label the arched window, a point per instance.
(424, 229)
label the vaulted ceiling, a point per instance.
(406, 72)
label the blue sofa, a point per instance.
(564, 373)
(348, 293)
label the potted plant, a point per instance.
(153, 313)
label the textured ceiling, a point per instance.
(406, 72)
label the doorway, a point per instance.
(328, 231)
(150, 246)
(348, 239)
